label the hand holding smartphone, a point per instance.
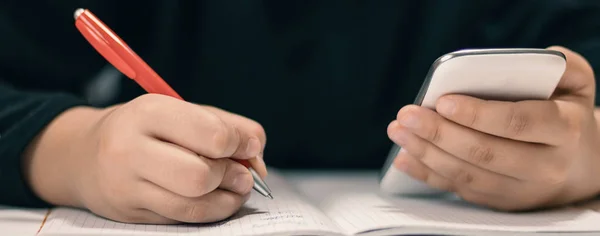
(491, 74)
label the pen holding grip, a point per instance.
(122, 57)
(249, 163)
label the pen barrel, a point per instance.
(245, 163)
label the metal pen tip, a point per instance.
(259, 185)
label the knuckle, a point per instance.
(435, 135)
(473, 117)
(420, 154)
(517, 122)
(463, 177)
(481, 155)
(418, 151)
(146, 104)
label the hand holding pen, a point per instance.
(155, 159)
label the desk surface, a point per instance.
(312, 183)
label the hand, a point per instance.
(507, 155)
(155, 159)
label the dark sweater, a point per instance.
(324, 78)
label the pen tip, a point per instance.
(270, 196)
(78, 12)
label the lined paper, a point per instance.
(343, 206)
(286, 214)
(20, 221)
(364, 212)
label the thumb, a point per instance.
(577, 83)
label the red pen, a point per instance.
(114, 49)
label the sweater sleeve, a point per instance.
(44, 66)
(22, 116)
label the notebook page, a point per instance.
(284, 215)
(18, 221)
(363, 212)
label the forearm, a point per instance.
(22, 116)
(55, 160)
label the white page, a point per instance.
(363, 212)
(18, 221)
(286, 214)
(351, 200)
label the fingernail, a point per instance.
(446, 106)
(253, 148)
(242, 182)
(409, 120)
(401, 137)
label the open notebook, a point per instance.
(342, 211)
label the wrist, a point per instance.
(56, 159)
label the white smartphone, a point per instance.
(514, 74)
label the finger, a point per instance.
(249, 126)
(214, 206)
(252, 138)
(185, 173)
(502, 156)
(458, 171)
(529, 121)
(237, 178)
(578, 82)
(417, 170)
(191, 126)
(255, 149)
(411, 166)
